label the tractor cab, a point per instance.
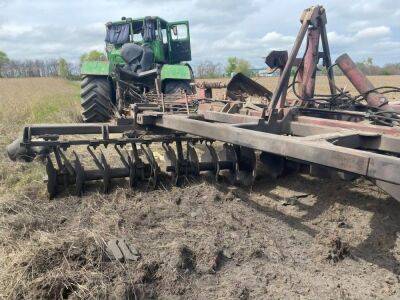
(169, 42)
(143, 55)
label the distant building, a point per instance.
(263, 72)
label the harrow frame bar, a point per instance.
(321, 143)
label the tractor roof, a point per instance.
(138, 22)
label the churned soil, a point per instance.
(295, 237)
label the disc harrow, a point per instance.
(138, 164)
(331, 136)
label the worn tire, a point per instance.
(96, 99)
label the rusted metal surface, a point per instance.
(318, 152)
(309, 140)
(308, 69)
(363, 85)
(336, 120)
(327, 61)
(204, 89)
(313, 17)
(276, 59)
(349, 125)
(211, 85)
(240, 87)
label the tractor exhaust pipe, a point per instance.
(363, 85)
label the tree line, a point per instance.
(62, 68)
(38, 68)
(205, 69)
(208, 69)
(11, 68)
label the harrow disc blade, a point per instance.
(228, 156)
(273, 165)
(154, 168)
(79, 172)
(136, 167)
(52, 185)
(193, 160)
(106, 173)
(132, 173)
(172, 163)
(247, 162)
(210, 157)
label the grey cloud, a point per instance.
(245, 28)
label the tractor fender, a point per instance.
(95, 68)
(177, 72)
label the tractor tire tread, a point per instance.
(96, 99)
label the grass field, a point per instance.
(246, 244)
(28, 101)
(322, 86)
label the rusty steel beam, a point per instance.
(336, 120)
(371, 137)
(307, 71)
(313, 20)
(363, 85)
(309, 16)
(230, 118)
(359, 126)
(372, 165)
(327, 52)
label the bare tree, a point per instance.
(30, 68)
(208, 69)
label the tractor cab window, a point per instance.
(179, 32)
(117, 34)
(137, 37)
(144, 31)
(149, 29)
(164, 36)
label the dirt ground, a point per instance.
(295, 237)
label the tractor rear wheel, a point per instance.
(96, 99)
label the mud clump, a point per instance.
(78, 253)
(221, 257)
(128, 291)
(53, 288)
(240, 292)
(147, 272)
(186, 259)
(338, 250)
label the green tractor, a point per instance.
(144, 56)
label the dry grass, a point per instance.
(36, 100)
(322, 86)
(27, 101)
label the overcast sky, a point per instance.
(219, 28)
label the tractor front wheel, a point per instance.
(96, 99)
